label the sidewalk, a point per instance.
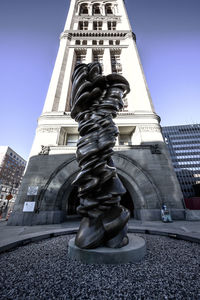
(13, 236)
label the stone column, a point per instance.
(48, 106)
(76, 25)
(90, 25)
(66, 81)
(107, 62)
(115, 9)
(102, 8)
(70, 15)
(89, 57)
(90, 9)
(105, 27)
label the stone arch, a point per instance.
(96, 8)
(83, 8)
(51, 194)
(143, 191)
(108, 9)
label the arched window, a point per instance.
(108, 9)
(96, 9)
(84, 9)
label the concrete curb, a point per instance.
(191, 237)
(10, 244)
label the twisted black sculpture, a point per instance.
(95, 100)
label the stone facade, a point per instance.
(12, 167)
(98, 31)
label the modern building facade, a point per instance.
(183, 142)
(12, 167)
(98, 31)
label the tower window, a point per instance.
(115, 63)
(72, 140)
(96, 9)
(80, 57)
(84, 9)
(108, 9)
(112, 42)
(98, 57)
(95, 42)
(125, 139)
(78, 42)
(97, 25)
(83, 25)
(112, 25)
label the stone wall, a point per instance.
(146, 171)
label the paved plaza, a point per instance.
(41, 269)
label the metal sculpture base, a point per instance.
(131, 253)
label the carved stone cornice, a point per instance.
(139, 115)
(81, 49)
(121, 115)
(66, 35)
(94, 1)
(154, 148)
(97, 18)
(132, 114)
(149, 128)
(48, 129)
(62, 147)
(122, 34)
(131, 35)
(116, 50)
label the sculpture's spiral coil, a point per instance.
(95, 100)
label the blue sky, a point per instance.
(168, 40)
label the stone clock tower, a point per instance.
(97, 31)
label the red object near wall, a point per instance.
(192, 203)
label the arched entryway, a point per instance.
(73, 201)
(126, 200)
(58, 193)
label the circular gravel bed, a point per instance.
(43, 270)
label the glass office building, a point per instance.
(184, 146)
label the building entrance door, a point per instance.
(73, 202)
(127, 202)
